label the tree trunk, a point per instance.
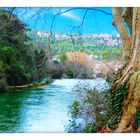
(130, 74)
(118, 22)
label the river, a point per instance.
(43, 110)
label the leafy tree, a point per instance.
(18, 57)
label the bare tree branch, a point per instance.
(83, 19)
(71, 9)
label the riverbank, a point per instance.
(27, 86)
(35, 85)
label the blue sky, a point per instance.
(41, 19)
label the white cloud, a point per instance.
(68, 14)
(71, 15)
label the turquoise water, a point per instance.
(43, 110)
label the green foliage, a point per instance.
(107, 108)
(115, 100)
(101, 108)
(7, 50)
(70, 71)
(89, 45)
(48, 80)
(90, 128)
(21, 61)
(3, 66)
(91, 102)
(74, 109)
(56, 62)
(63, 57)
(118, 75)
(137, 119)
(106, 52)
(3, 83)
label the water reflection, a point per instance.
(11, 114)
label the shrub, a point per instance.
(90, 128)
(3, 83)
(92, 106)
(74, 109)
(63, 57)
(70, 71)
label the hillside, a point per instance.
(96, 44)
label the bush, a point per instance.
(74, 109)
(92, 106)
(22, 61)
(70, 71)
(63, 57)
(3, 83)
(90, 128)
